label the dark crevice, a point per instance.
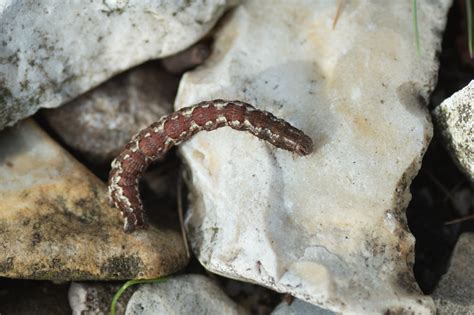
(439, 187)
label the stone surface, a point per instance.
(455, 292)
(99, 123)
(298, 307)
(187, 59)
(328, 228)
(187, 294)
(55, 222)
(96, 298)
(455, 117)
(51, 52)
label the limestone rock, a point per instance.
(455, 117)
(298, 307)
(187, 294)
(328, 228)
(96, 298)
(55, 222)
(51, 52)
(455, 292)
(99, 123)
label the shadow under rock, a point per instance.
(18, 297)
(439, 184)
(433, 192)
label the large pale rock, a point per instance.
(455, 117)
(55, 222)
(187, 294)
(328, 228)
(51, 52)
(99, 123)
(455, 292)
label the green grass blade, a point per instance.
(469, 26)
(415, 25)
(125, 286)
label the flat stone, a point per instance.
(186, 294)
(99, 123)
(329, 228)
(455, 118)
(455, 292)
(51, 52)
(298, 307)
(55, 222)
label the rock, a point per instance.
(455, 117)
(55, 222)
(463, 201)
(96, 298)
(99, 123)
(52, 52)
(455, 292)
(328, 228)
(186, 294)
(187, 59)
(298, 307)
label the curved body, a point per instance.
(155, 141)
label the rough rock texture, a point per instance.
(51, 52)
(455, 292)
(328, 228)
(96, 298)
(99, 123)
(455, 117)
(298, 307)
(187, 294)
(55, 222)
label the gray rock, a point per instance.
(96, 298)
(51, 52)
(187, 294)
(56, 224)
(455, 292)
(328, 228)
(99, 123)
(187, 59)
(455, 117)
(298, 307)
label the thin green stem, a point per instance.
(125, 286)
(415, 25)
(469, 26)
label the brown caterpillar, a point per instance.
(153, 142)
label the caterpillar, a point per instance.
(153, 142)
